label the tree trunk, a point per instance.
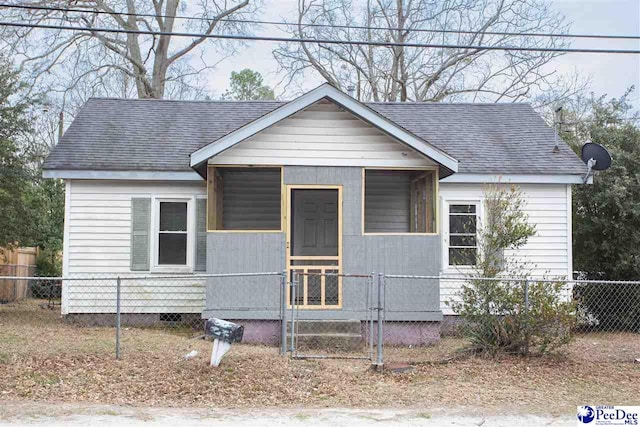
(402, 78)
(133, 46)
(162, 50)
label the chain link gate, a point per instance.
(331, 315)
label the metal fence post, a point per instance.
(293, 307)
(526, 316)
(118, 318)
(370, 309)
(283, 314)
(380, 358)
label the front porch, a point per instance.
(325, 228)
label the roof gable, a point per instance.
(323, 134)
(329, 92)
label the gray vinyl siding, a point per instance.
(251, 199)
(238, 252)
(250, 297)
(387, 202)
(402, 255)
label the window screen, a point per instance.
(244, 198)
(172, 233)
(463, 240)
(399, 201)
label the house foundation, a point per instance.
(265, 332)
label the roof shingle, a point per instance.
(159, 135)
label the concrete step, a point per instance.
(330, 342)
(326, 327)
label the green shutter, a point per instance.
(140, 226)
(201, 235)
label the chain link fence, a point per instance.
(139, 314)
(538, 312)
(610, 306)
(606, 306)
(308, 315)
(411, 310)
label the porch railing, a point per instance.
(319, 284)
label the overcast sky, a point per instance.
(613, 73)
(610, 73)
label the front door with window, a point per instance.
(314, 245)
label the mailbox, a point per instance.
(223, 330)
(223, 334)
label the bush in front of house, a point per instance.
(502, 309)
(608, 307)
(499, 319)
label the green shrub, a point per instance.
(609, 307)
(497, 319)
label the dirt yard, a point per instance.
(42, 359)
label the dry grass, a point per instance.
(43, 359)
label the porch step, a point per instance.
(330, 342)
(326, 327)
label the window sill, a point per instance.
(172, 269)
(460, 269)
(400, 234)
(245, 231)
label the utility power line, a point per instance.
(312, 40)
(315, 25)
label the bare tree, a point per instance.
(400, 73)
(146, 66)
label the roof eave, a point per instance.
(495, 178)
(133, 175)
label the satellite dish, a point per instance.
(598, 153)
(596, 157)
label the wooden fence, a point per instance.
(20, 262)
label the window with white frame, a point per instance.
(173, 237)
(463, 238)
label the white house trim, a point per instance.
(472, 178)
(444, 220)
(65, 246)
(65, 235)
(324, 91)
(122, 175)
(570, 231)
(382, 163)
(155, 224)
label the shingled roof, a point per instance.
(159, 135)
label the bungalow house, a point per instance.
(159, 186)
